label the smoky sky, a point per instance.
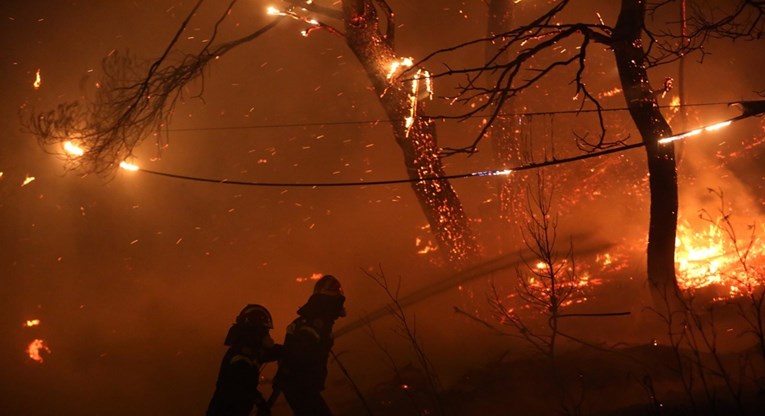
(135, 278)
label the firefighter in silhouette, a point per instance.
(307, 345)
(250, 346)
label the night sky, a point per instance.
(135, 278)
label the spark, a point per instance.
(34, 349)
(129, 166)
(314, 276)
(38, 80)
(610, 93)
(28, 180)
(273, 11)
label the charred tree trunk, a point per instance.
(437, 198)
(644, 109)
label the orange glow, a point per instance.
(35, 348)
(38, 80)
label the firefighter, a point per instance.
(307, 345)
(250, 346)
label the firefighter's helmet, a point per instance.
(255, 315)
(328, 285)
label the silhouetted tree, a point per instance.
(133, 103)
(637, 47)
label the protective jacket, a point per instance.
(236, 390)
(307, 346)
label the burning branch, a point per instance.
(131, 103)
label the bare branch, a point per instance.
(131, 104)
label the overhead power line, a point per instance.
(749, 109)
(378, 121)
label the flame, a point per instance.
(38, 80)
(273, 11)
(31, 322)
(28, 180)
(708, 258)
(395, 65)
(675, 103)
(34, 349)
(72, 149)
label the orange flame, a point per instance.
(708, 258)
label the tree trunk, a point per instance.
(644, 109)
(437, 198)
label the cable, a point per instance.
(749, 109)
(395, 181)
(361, 122)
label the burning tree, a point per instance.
(133, 103)
(526, 55)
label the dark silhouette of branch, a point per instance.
(131, 103)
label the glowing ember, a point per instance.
(28, 180)
(129, 166)
(32, 322)
(38, 80)
(428, 247)
(35, 348)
